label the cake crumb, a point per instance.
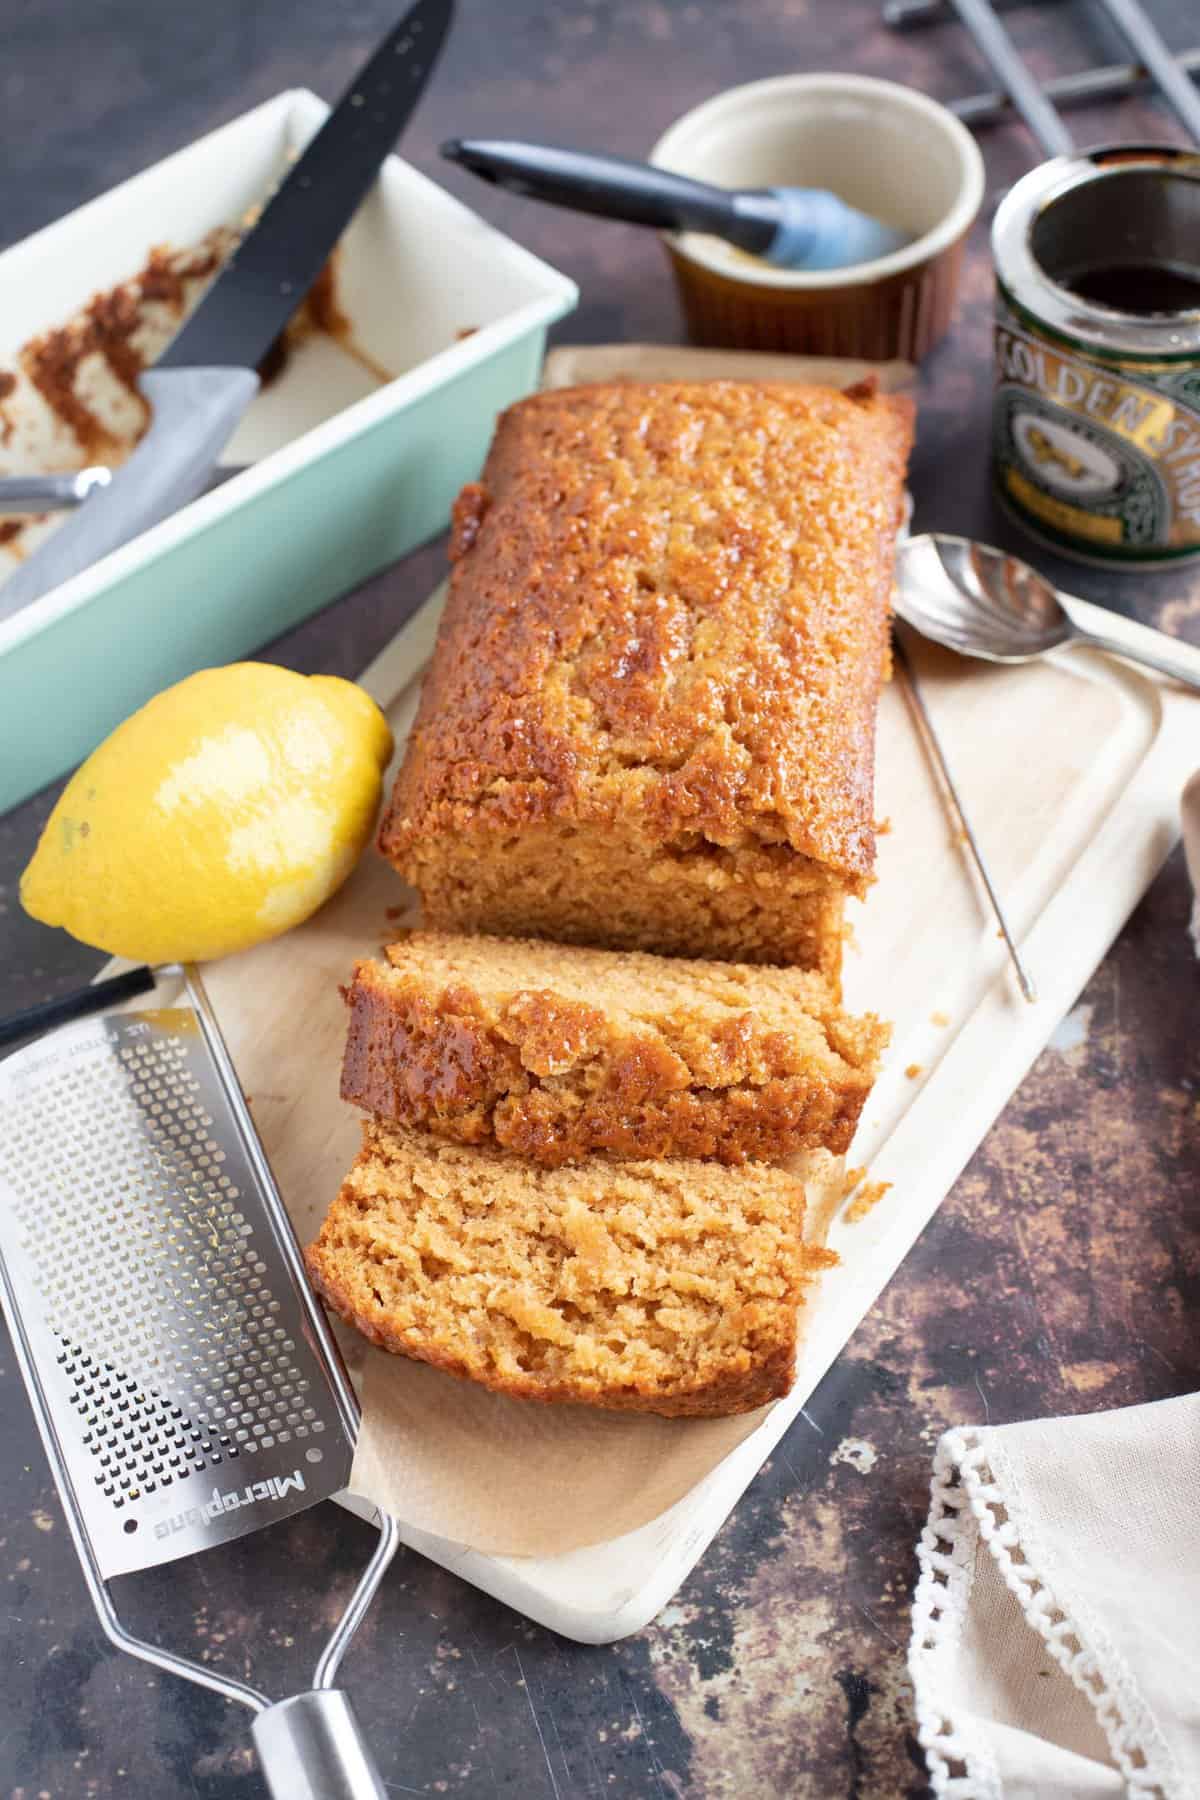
(883, 828)
(939, 1018)
(851, 1180)
(914, 1071)
(867, 1198)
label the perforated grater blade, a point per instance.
(184, 1378)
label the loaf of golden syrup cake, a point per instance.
(649, 722)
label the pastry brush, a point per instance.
(791, 227)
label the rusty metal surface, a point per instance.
(1062, 1274)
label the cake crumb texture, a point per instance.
(658, 1286)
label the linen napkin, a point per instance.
(1190, 817)
(1055, 1650)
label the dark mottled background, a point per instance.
(1063, 1273)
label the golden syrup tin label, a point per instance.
(1102, 456)
(1096, 414)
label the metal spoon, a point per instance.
(51, 493)
(983, 602)
(61, 493)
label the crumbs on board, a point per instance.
(868, 1197)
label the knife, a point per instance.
(205, 378)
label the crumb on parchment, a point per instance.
(939, 1018)
(867, 1197)
(914, 1071)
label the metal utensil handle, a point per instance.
(63, 493)
(1137, 643)
(311, 1748)
(920, 710)
(51, 493)
(614, 187)
(194, 413)
(1107, 82)
(1000, 52)
(1148, 46)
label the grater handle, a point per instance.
(311, 1748)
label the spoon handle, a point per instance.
(1138, 643)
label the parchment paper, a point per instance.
(442, 1455)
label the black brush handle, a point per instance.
(613, 187)
(100, 994)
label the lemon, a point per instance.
(223, 813)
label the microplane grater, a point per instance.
(185, 1381)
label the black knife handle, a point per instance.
(49, 1013)
(278, 260)
(614, 187)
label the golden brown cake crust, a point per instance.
(665, 1287)
(557, 1053)
(669, 615)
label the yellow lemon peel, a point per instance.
(225, 811)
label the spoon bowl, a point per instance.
(983, 602)
(978, 600)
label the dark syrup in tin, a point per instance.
(1139, 287)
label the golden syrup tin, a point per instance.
(1096, 417)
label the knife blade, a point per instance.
(205, 379)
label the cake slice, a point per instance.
(558, 1052)
(665, 1287)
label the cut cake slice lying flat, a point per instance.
(665, 1287)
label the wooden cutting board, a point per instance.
(1070, 771)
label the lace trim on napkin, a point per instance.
(967, 1503)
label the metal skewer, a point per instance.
(903, 13)
(912, 694)
(1028, 98)
(1143, 38)
(1109, 82)
(1171, 72)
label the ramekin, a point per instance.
(885, 149)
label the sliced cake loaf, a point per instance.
(666, 1287)
(558, 1052)
(649, 721)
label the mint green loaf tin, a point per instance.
(432, 292)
